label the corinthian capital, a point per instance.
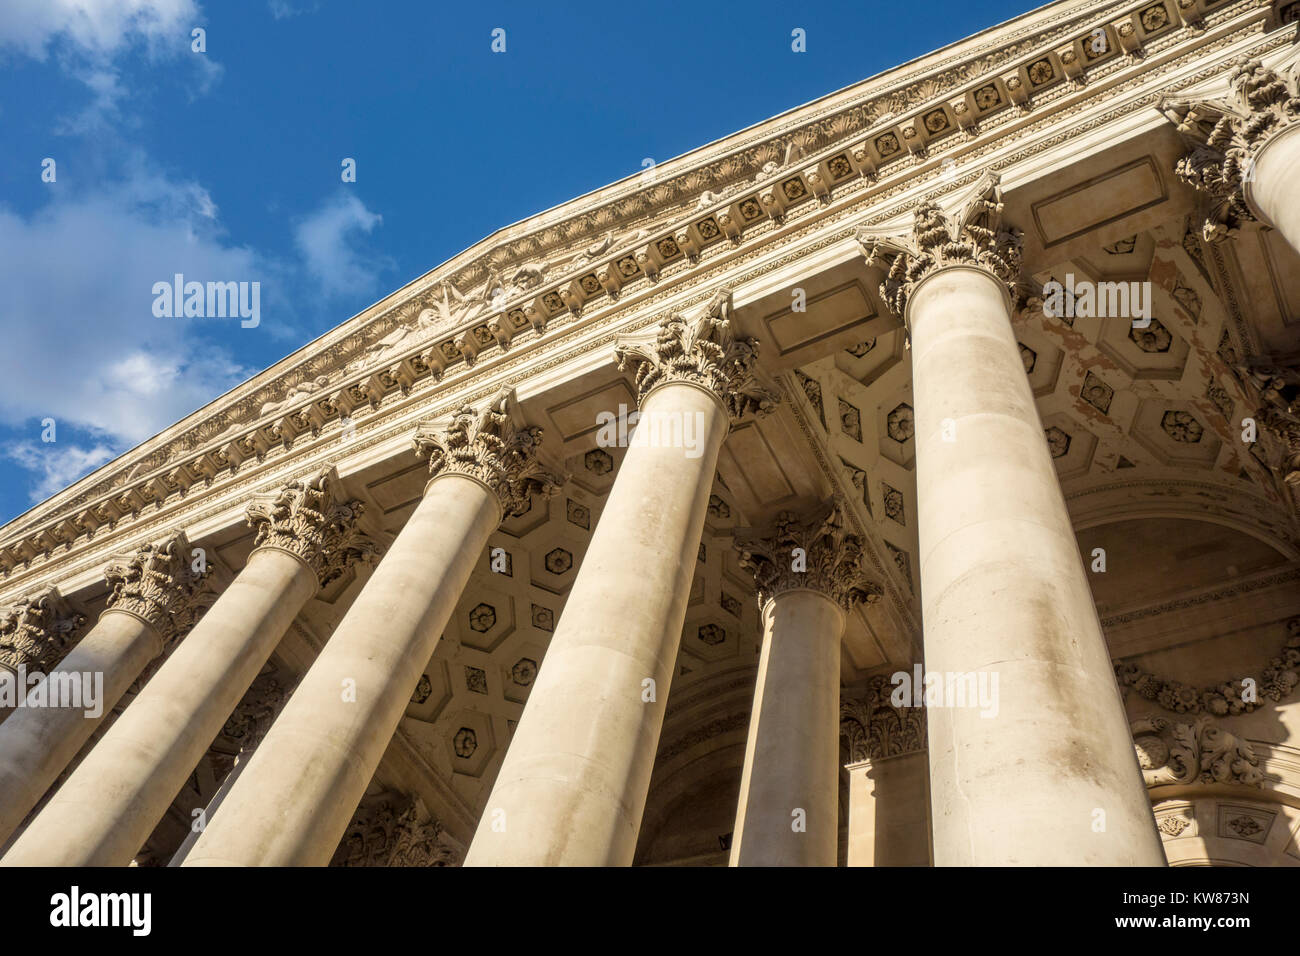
(971, 236)
(307, 519)
(38, 630)
(703, 351)
(487, 446)
(809, 551)
(160, 585)
(1226, 133)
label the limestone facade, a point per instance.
(960, 523)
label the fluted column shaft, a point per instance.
(37, 743)
(105, 811)
(1051, 777)
(573, 784)
(788, 813)
(292, 804)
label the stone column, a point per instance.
(105, 811)
(156, 596)
(1245, 150)
(1044, 773)
(573, 784)
(292, 803)
(889, 792)
(35, 634)
(809, 575)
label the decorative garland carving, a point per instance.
(306, 519)
(703, 351)
(973, 236)
(873, 728)
(159, 585)
(1201, 752)
(38, 631)
(1276, 682)
(487, 446)
(831, 558)
(1226, 135)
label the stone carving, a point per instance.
(1276, 682)
(873, 728)
(704, 351)
(38, 631)
(490, 448)
(1201, 752)
(812, 551)
(973, 236)
(159, 585)
(1278, 415)
(1226, 135)
(396, 831)
(307, 520)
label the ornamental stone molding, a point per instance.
(307, 520)
(872, 728)
(488, 447)
(809, 551)
(1226, 134)
(394, 830)
(973, 235)
(38, 631)
(704, 351)
(1278, 416)
(1171, 753)
(159, 585)
(1242, 695)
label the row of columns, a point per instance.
(1051, 778)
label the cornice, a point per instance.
(206, 450)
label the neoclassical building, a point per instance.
(959, 525)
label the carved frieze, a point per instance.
(38, 631)
(1200, 752)
(160, 585)
(705, 351)
(1226, 134)
(307, 519)
(809, 551)
(488, 446)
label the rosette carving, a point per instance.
(703, 351)
(809, 551)
(1226, 135)
(487, 445)
(307, 519)
(973, 236)
(159, 585)
(38, 631)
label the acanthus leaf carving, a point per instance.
(159, 585)
(487, 446)
(307, 519)
(703, 351)
(872, 728)
(38, 631)
(1172, 753)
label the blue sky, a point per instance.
(225, 165)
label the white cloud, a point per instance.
(77, 311)
(326, 240)
(55, 465)
(99, 29)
